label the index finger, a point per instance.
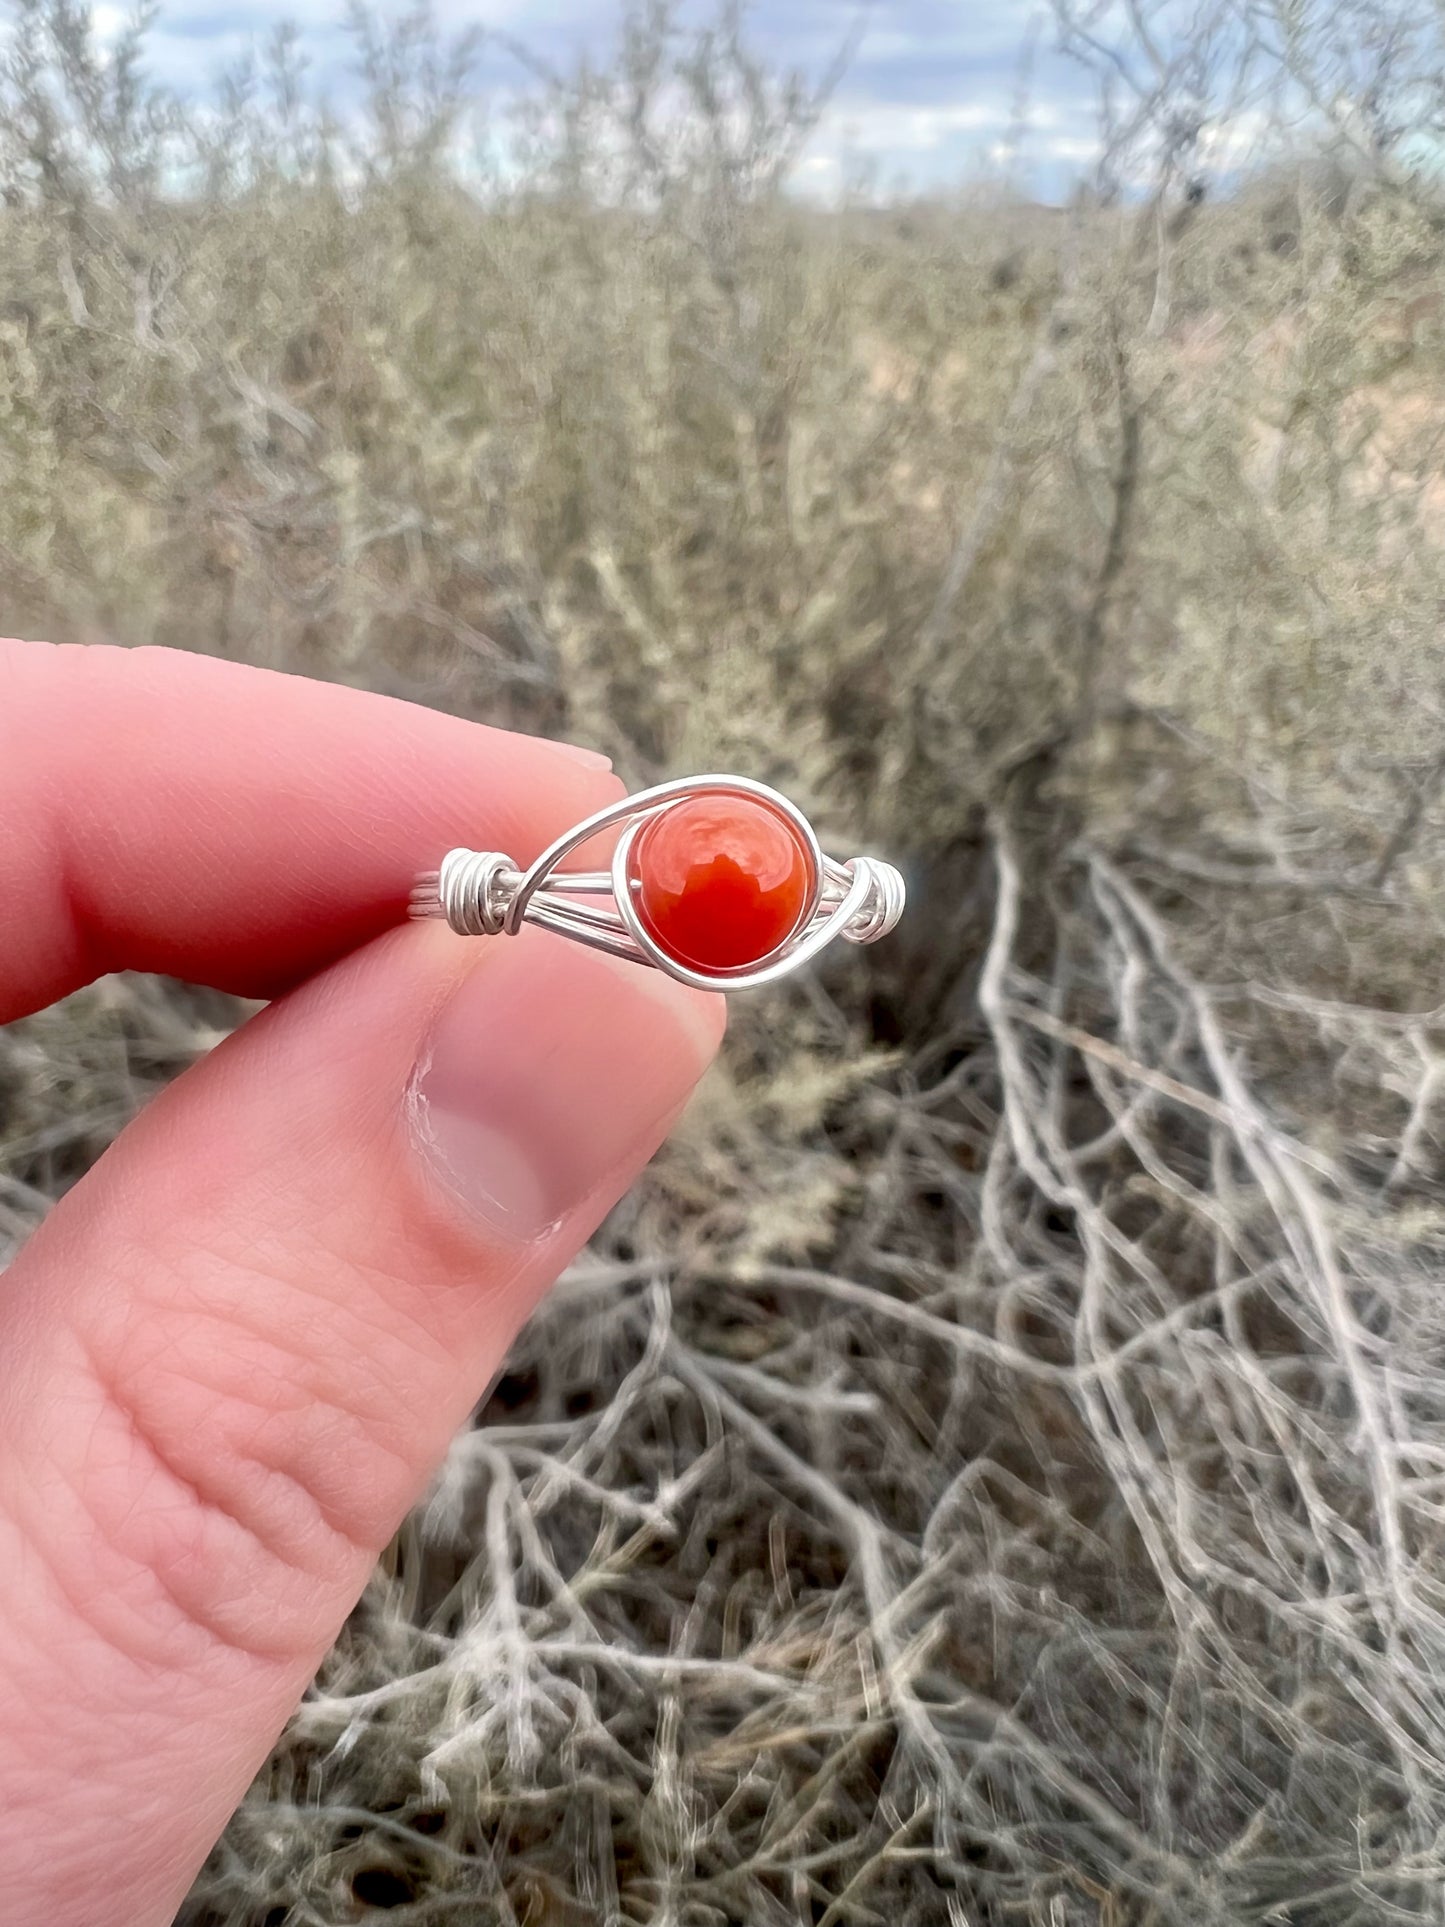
(235, 826)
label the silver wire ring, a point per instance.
(485, 894)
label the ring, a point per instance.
(717, 880)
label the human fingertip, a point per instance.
(585, 758)
(549, 1079)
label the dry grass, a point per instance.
(990, 1472)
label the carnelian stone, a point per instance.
(722, 881)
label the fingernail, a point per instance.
(552, 1074)
(587, 758)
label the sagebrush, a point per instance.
(990, 1471)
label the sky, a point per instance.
(928, 99)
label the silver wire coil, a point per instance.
(484, 893)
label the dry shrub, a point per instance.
(989, 1471)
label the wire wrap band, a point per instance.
(485, 894)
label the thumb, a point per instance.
(236, 1350)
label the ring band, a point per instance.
(718, 880)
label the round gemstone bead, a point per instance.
(721, 881)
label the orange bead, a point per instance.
(722, 881)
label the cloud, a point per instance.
(900, 130)
(108, 23)
(931, 92)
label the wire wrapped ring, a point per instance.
(718, 880)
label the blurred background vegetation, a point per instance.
(991, 1471)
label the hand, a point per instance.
(234, 1352)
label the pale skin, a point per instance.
(236, 1350)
